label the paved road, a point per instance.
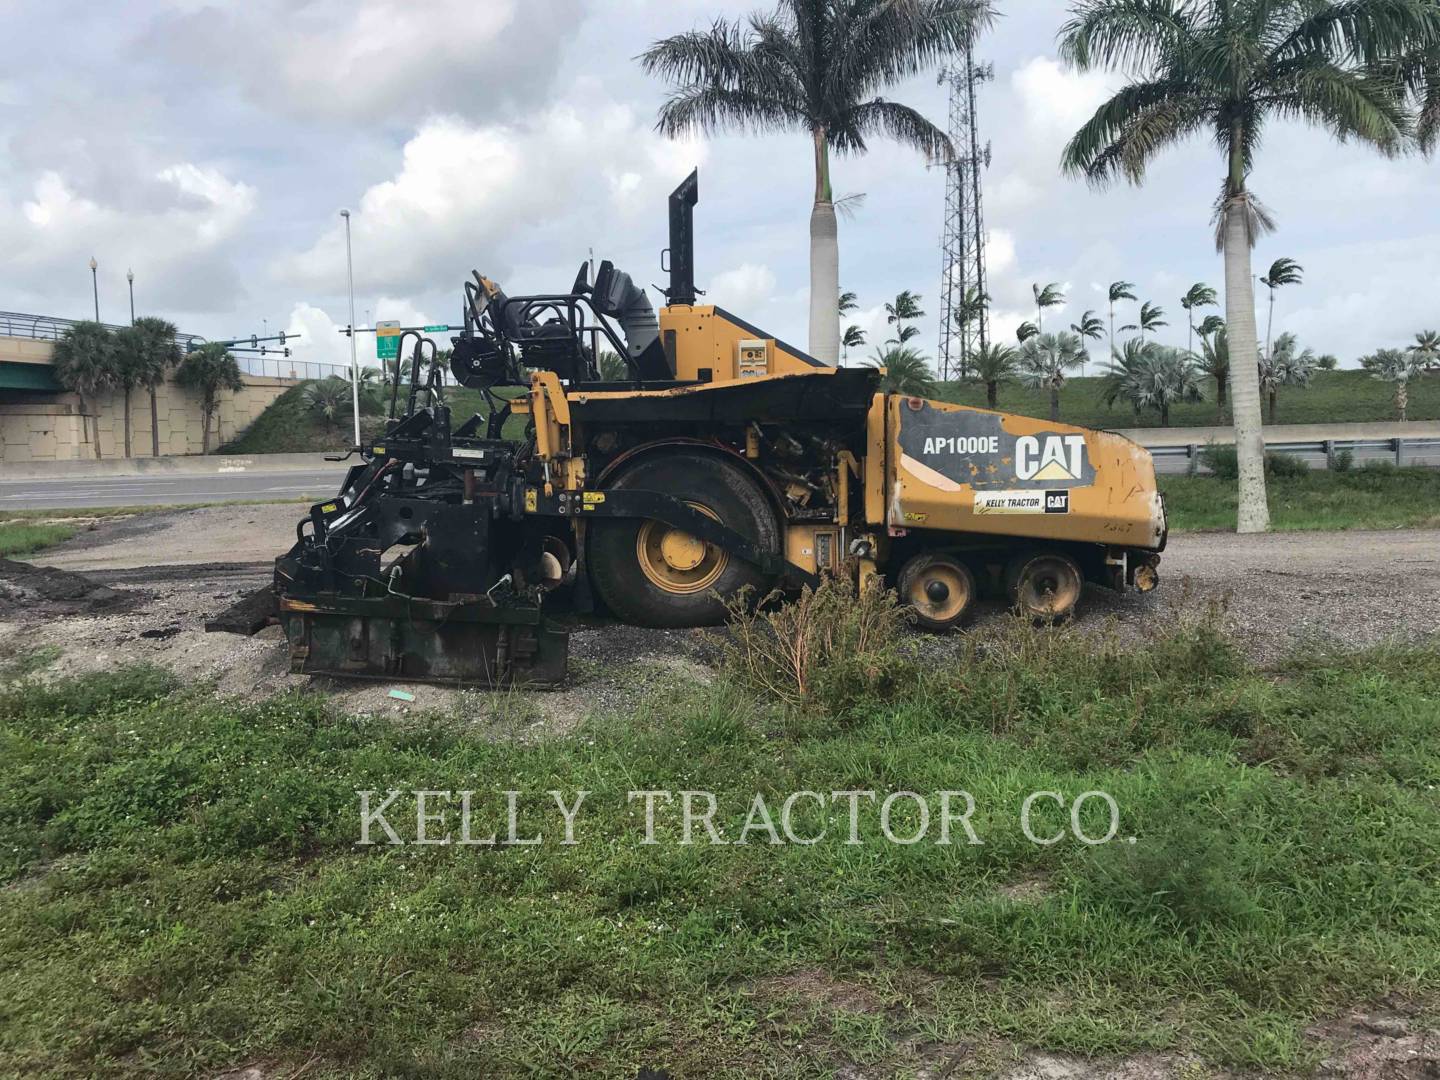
(176, 490)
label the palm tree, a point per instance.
(993, 364)
(1124, 367)
(1199, 295)
(1089, 328)
(1154, 376)
(906, 371)
(329, 397)
(1398, 366)
(1044, 360)
(847, 303)
(1327, 362)
(1215, 362)
(157, 354)
(1209, 325)
(1025, 331)
(972, 306)
(1152, 317)
(853, 338)
(1283, 366)
(816, 66)
(1226, 68)
(84, 362)
(128, 369)
(1119, 290)
(1046, 296)
(905, 308)
(209, 370)
(1427, 345)
(612, 367)
(1282, 272)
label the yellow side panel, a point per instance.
(706, 338)
(972, 470)
(875, 461)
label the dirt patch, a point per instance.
(1390, 1042)
(46, 591)
(812, 988)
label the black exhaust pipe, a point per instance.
(682, 240)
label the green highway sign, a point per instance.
(436, 329)
(387, 339)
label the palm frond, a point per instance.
(710, 109)
(898, 122)
(1122, 33)
(1131, 127)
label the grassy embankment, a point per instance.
(1375, 497)
(186, 894)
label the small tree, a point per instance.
(1025, 331)
(1215, 362)
(156, 356)
(993, 364)
(1327, 362)
(853, 337)
(208, 370)
(906, 371)
(1282, 272)
(1427, 345)
(613, 367)
(1119, 290)
(1396, 366)
(1285, 366)
(1156, 377)
(1089, 328)
(85, 364)
(1044, 361)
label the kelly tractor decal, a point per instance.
(973, 448)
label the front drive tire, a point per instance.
(651, 575)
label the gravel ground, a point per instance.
(178, 569)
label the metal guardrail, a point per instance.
(1320, 453)
(280, 367)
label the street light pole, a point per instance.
(95, 285)
(130, 277)
(354, 363)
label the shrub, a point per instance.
(1220, 459)
(1343, 461)
(830, 647)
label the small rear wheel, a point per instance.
(939, 589)
(1044, 585)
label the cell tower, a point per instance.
(962, 241)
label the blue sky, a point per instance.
(211, 146)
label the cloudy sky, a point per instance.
(210, 147)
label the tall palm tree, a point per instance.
(1209, 325)
(128, 371)
(906, 371)
(993, 364)
(905, 308)
(1199, 295)
(1215, 362)
(816, 66)
(847, 303)
(1119, 290)
(208, 370)
(1226, 68)
(1025, 331)
(84, 362)
(853, 338)
(1282, 272)
(1089, 328)
(1397, 366)
(157, 355)
(1285, 365)
(1152, 318)
(1044, 361)
(1046, 296)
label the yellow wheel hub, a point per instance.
(940, 593)
(673, 560)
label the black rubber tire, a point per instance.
(913, 574)
(1027, 596)
(728, 492)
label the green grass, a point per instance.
(1374, 497)
(1334, 397)
(22, 539)
(186, 894)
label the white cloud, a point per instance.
(367, 60)
(467, 194)
(1056, 101)
(742, 289)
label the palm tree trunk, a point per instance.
(1190, 332)
(127, 421)
(154, 424)
(206, 409)
(1273, 395)
(824, 263)
(1254, 511)
(1220, 392)
(91, 417)
(1112, 331)
(992, 394)
(1402, 399)
(1164, 415)
(1270, 320)
(1054, 402)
